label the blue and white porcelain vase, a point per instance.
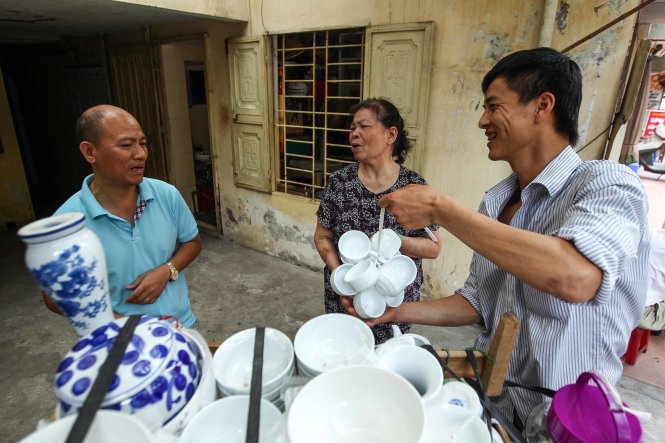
(67, 260)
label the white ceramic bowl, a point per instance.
(362, 275)
(225, 420)
(333, 340)
(303, 371)
(353, 246)
(337, 282)
(157, 376)
(451, 424)
(356, 404)
(233, 361)
(272, 395)
(369, 303)
(107, 427)
(390, 243)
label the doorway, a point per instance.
(189, 148)
(48, 86)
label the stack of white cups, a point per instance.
(374, 275)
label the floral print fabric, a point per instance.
(348, 205)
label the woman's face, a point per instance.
(369, 139)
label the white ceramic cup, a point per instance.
(385, 286)
(353, 246)
(337, 280)
(390, 243)
(362, 275)
(369, 303)
(400, 271)
(395, 300)
(417, 366)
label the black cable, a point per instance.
(596, 137)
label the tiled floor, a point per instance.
(650, 366)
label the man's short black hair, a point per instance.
(532, 72)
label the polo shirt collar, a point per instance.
(93, 207)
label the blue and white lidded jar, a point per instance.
(67, 260)
(157, 376)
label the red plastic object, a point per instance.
(205, 198)
(639, 341)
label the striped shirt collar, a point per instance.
(553, 177)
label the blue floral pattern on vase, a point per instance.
(158, 370)
(71, 282)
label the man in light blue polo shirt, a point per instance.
(147, 230)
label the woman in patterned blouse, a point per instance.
(379, 145)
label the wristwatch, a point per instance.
(174, 272)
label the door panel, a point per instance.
(398, 62)
(251, 116)
(136, 89)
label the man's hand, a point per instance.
(149, 286)
(387, 317)
(414, 206)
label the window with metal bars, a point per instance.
(319, 77)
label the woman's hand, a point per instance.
(347, 302)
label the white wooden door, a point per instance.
(252, 152)
(398, 61)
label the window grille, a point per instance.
(319, 77)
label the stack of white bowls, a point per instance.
(331, 341)
(374, 273)
(233, 363)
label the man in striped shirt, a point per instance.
(561, 242)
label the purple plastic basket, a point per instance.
(582, 412)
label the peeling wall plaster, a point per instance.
(496, 45)
(562, 16)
